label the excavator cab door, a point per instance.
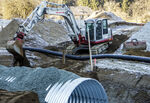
(90, 29)
(105, 26)
(99, 30)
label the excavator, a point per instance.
(97, 29)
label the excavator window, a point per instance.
(90, 29)
(105, 26)
(99, 31)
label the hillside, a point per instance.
(126, 9)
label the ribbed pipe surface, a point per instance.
(81, 90)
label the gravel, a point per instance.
(29, 79)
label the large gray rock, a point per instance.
(8, 32)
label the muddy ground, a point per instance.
(18, 97)
(121, 86)
(138, 53)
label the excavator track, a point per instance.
(100, 48)
(96, 49)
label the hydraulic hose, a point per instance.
(99, 56)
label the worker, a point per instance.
(15, 47)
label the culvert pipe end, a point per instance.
(80, 90)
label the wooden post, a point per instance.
(64, 57)
(90, 53)
(64, 54)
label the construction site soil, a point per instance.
(138, 53)
(121, 86)
(18, 97)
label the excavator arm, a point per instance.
(15, 46)
(55, 9)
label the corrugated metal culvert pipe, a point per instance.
(81, 90)
(52, 85)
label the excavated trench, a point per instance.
(18, 97)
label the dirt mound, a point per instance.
(18, 97)
(51, 32)
(43, 34)
(107, 15)
(143, 35)
(46, 33)
(8, 32)
(117, 41)
(82, 11)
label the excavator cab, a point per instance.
(98, 31)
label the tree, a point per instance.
(94, 4)
(17, 8)
(83, 2)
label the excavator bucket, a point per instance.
(15, 47)
(134, 44)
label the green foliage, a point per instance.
(17, 8)
(94, 4)
(83, 2)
